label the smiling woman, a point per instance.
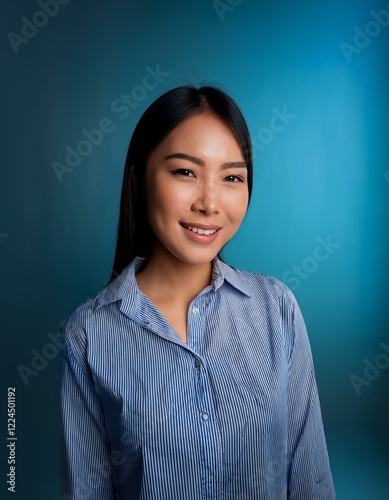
(185, 377)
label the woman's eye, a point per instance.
(234, 178)
(184, 172)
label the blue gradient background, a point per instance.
(326, 173)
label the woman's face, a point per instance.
(196, 189)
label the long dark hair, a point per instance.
(135, 236)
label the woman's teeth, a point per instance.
(199, 230)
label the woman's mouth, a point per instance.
(199, 230)
(202, 235)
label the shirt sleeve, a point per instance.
(86, 470)
(309, 474)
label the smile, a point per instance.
(199, 230)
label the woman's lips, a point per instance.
(200, 233)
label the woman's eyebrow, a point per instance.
(199, 161)
(184, 156)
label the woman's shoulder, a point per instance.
(259, 284)
(73, 326)
(91, 309)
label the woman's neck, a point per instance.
(166, 278)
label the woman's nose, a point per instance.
(207, 198)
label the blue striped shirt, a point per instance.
(232, 414)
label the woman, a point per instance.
(186, 378)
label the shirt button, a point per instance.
(197, 363)
(204, 416)
(195, 311)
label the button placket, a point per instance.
(195, 326)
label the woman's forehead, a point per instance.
(202, 133)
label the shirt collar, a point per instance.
(222, 271)
(125, 288)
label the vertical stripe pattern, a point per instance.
(233, 414)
